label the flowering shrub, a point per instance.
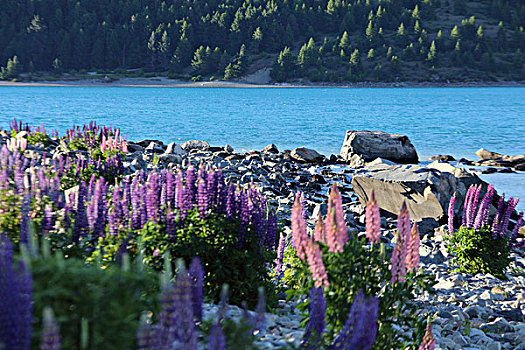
(476, 246)
(354, 276)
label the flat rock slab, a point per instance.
(374, 144)
(427, 190)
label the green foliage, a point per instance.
(12, 70)
(213, 239)
(109, 300)
(363, 267)
(476, 251)
(38, 137)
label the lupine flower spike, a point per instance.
(316, 265)
(451, 213)
(412, 260)
(300, 236)
(428, 339)
(400, 250)
(316, 322)
(373, 220)
(360, 329)
(50, 332)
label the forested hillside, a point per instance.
(315, 40)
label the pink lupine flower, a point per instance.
(300, 236)
(337, 202)
(332, 232)
(429, 343)
(373, 220)
(451, 213)
(319, 233)
(399, 254)
(315, 263)
(412, 259)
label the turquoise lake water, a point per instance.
(456, 121)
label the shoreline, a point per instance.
(163, 82)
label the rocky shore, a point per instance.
(471, 312)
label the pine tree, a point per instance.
(371, 54)
(355, 58)
(344, 44)
(454, 34)
(12, 70)
(432, 52)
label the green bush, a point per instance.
(109, 301)
(214, 240)
(38, 137)
(476, 251)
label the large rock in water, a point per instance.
(374, 144)
(427, 190)
(306, 155)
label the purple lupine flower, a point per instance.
(271, 230)
(147, 339)
(80, 227)
(135, 204)
(473, 205)
(16, 302)
(152, 194)
(100, 206)
(466, 205)
(24, 219)
(170, 188)
(216, 339)
(373, 220)
(360, 329)
(202, 198)
(230, 201)
(190, 185)
(244, 216)
(280, 254)
(197, 279)
(316, 323)
(511, 205)
(451, 213)
(514, 234)
(50, 338)
(185, 330)
(499, 215)
(47, 220)
(211, 184)
(484, 208)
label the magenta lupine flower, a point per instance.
(473, 205)
(300, 236)
(197, 281)
(190, 185)
(466, 205)
(484, 208)
(202, 198)
(400, 250)
(50, 338)
(216, 339)
(316, 323)
(360, 329)
(451, 213)
(429, 342)
(412, 259)
(316, 265)
(496, 223)
(16, 300)
(280, 254)
(373, 220)
(511, 205)
(514, 234)
(319, 232)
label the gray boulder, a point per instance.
(271, 148)
(306, 155)
(195, 144)
(175, 149)
(373, 144)
(427, 190)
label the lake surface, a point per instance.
(456, 121)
